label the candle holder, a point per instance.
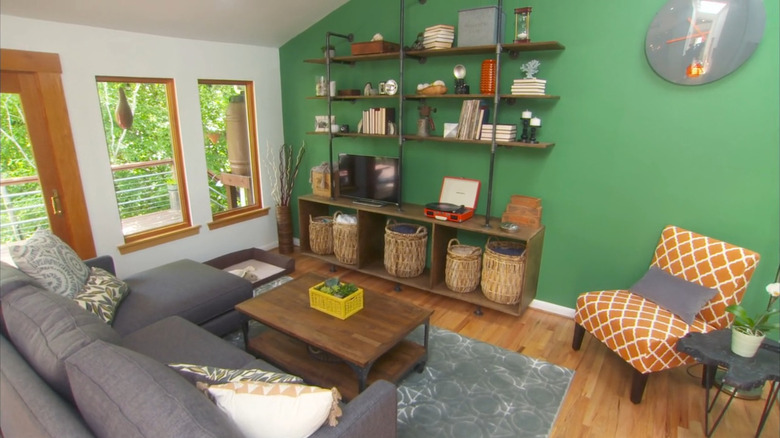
(535, 123)
(523, 25)
(526, 118)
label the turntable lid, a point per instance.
(460, 191)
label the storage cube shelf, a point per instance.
(370, 247)
(341, 308)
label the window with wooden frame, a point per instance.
(227, 109)
(141, 124)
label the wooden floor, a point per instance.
(597, 404)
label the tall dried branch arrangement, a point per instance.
(289, 163)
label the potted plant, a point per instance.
(283, 182)
(747, 333)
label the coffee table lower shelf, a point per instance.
(292, 356)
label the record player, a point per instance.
(457, 200)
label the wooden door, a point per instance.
(36, 78)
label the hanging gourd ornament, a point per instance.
(123, 113)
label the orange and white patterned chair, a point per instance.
(644, 334)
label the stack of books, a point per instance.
(529, 86)
(439, 36)
(503, 132)
(472, 114)
(376, 120)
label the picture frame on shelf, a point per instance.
(321, 123)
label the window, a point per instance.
(227, 111)
(141, 125)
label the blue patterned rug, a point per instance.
(471, 389)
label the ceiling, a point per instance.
(269, 23)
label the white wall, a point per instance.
(86, 52)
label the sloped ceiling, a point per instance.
(269, 23)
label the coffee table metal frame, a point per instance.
(267, 309)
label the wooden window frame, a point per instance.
(156, 236)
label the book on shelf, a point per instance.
(440, 27)
(503, 132)
(438, 45)
(375, 120)
(530, 81)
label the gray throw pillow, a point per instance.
(681, 297)
(122, 393)
(52, 262)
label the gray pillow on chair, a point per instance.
(681, 297)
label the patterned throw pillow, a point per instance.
(216, 375)
(276, 410)
(52, 262)
(102, 294)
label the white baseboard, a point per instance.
(552, 308)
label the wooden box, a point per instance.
(524, 211)
(320, 183)
(374, 47)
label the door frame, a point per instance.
(38, 77)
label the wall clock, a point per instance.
(693, 42)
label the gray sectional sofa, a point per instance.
(66, 373)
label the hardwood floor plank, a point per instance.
(597, 404)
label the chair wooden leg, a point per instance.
(638, 383)
(579, 333)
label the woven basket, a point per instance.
(344, 241)
(321, 235)
(463, 266)
(503, 268)
(405, 247)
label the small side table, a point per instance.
(713, 349)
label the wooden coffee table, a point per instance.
(369, 345)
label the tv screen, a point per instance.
(369, 178)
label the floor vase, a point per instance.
(284, 228)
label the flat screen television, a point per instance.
(369, 179)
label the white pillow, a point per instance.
(277, 410)
(52, 262)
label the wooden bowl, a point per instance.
(433, 90)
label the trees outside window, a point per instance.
(230, 144)
(140, 121)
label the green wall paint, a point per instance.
(633, 152)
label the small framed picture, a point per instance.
(321, 123)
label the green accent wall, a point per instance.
(633, 152)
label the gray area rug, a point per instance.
(471, 389)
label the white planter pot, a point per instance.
(743, 344)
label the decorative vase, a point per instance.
(743, 344)
(284, 228)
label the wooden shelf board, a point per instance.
(490, 48)
(481, 96)
(351, 98)
(292, 356)
(516, 144)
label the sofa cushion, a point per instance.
(121, 393)
(217, 375)
(30, 407)
(176, 340)
(47, 328)
(186, 288)
(277, 410)
(12, 278)
(101, 294)
(52, 262)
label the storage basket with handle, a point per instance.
(344, 239)
(463, 267)
(503, 269)
(321, 235)
(405, 249)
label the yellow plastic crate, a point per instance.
(341, 308)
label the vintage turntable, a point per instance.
(457, 200)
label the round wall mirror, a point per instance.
(693, 42)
